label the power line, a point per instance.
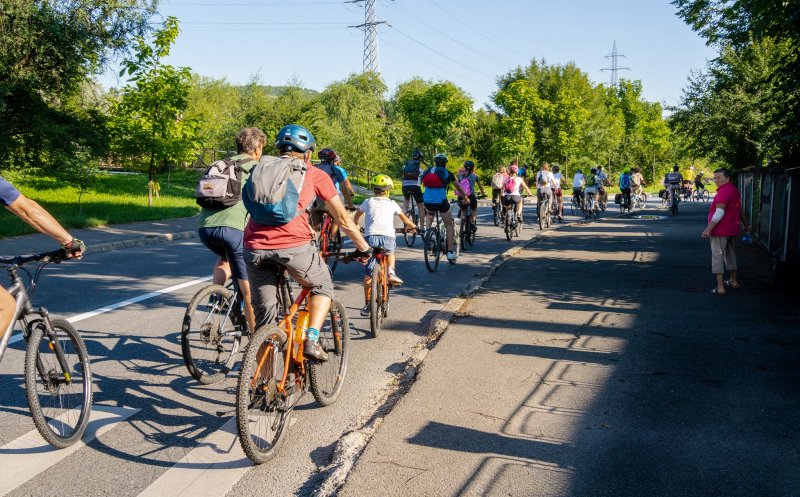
(250, 4)
(441, 54)
(614, 55)
(438, 66)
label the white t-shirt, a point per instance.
(557, 180)
(379, 215)
(517, 185)
(578, 181)
(545, 177)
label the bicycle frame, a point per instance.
(290, 354)
(380, 259)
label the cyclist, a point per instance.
(578, 183)
(637, 181)
(339, 176)
(379, 212)
(625, 188)
(470, 180)
(38, 218)
(602, 182)
(545, 183)
(559, 179)
(412, 173)
(436, 180)
(291, 246)
(345, 185)
(222, 230)
(591, 185)
(513, 191)
(498, 182)
(699, 184)
(672, 182)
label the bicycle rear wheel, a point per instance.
(328, 377)
(472, 233)
(497, 214)
(262, 414)
(211, 333)
(540, 215)
(463, 233)
(376, 299)
(431, 249)
(706, 196)
(509, 225)
(411, 237)
(60, 401)
(335, 243)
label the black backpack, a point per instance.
(411, 170)
(220, 186)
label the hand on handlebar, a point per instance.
(73, 249)
(358, 255)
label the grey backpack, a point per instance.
(221, 185)
(272, 192)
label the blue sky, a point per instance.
(468, 42)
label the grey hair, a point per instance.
(249, 140)
(724, 171)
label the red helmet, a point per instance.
(326, 155)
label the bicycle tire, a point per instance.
(456, 245)
(334, 245)
(60, 411)
(327, 378)
(262, 416)
(509, 226)
(496, 214)
(375, 299)
(411, 237)
(462, 232)
(431, 249)
(471, 235)
(211, 334)
(706, 196)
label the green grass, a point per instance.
(114, 199)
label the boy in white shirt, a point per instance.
(379, 229)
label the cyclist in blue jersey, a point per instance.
(41, 220)
(436, 179)
(338, 175)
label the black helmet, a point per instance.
(294, 137)
(326, 155)
(469, 165)
(593, 170)
(556, 168)
(417, 155)
(676, 168)
(440, 159)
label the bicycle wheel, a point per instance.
(60, 401)
(411, 213)
(706, 196)
(334, 245)
(497, 214)
(375, 300)
(211, 333)
(456, 244)
(328, 377)
(674, 208)
(262, 415)
(509, 225)
(471, 234)
(431, 249)
(518, 226)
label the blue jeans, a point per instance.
(387, 243)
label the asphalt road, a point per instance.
(163, 427)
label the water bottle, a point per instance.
(300, 327)
(746, 239)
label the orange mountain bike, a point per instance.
(379, 287)
(275, 374)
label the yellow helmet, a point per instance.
(382, 182)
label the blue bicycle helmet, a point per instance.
(294, 138)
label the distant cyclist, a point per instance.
(379, 212)
(699, 184)
(578, 184)
(545, 183)
(338, 175)
(38, 218)
(436, 179)
(592, 184)
(470, 180)
(602, 182)
(559, 179)
(498, 182)
(410, 183)
(625, 188)
(512, 195)
(637, 181)
(673, 181)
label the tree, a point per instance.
(51, 48)
(148, 124)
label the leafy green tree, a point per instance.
(50, 50)
(148, 125)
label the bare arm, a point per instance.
(346, 224)
(349, 187)
(358, 215)
(408, 222)
(348, 197)
(38, 218)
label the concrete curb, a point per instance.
(138, 242)
(353, 442)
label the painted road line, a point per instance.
(125, 303)
(200, 472)
(39, 455)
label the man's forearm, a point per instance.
(38, 218)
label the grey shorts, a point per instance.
(303, 264)
(723, 254)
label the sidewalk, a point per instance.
(108, 238)
(596, 362)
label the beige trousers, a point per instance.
(723, 255)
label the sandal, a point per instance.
(729, 285)
(717, 292)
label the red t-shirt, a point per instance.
(729, 224)
(296, 232)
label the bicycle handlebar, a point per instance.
(54, 256)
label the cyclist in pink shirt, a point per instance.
(722, 230)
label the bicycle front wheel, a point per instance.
(334, 245)
(60, 400)
(431, 250)
(262, 414)
(328, 377)
(375, 300)
(211, 334)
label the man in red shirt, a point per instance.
(723, 228)
(291, 245)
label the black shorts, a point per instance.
(227, 243)
(512, 199)
(443, 207)
(473, 202)
(415, 190)
(496, 192)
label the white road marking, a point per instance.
(199, 473)
(29, 455)
(125, 303)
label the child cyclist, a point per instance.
(379, 212)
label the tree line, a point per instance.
(57, 118)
